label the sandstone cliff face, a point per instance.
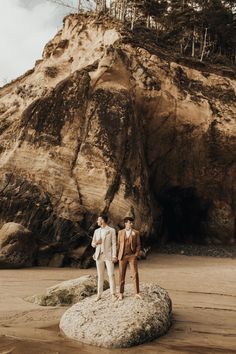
(104, 122)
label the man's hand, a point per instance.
(98, 242)
(114, 259)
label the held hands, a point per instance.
(98, 242)
(114, 259)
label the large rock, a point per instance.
(68, 292)
(221, 223)
(119, 324)
(17, 246)
(107, 121)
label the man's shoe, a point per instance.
(121, 297)
(113, 297)
(98, 298)
(138, 296)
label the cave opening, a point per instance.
(182, 215)
(179, 213)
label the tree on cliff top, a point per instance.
(203, 29)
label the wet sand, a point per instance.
(203, 291)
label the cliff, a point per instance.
(107, 121)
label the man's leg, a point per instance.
(111, 276)
(134, 273)
(122, 271)
(100, 271)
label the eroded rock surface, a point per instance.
(68, 292)
(17, 246)
(119, 324)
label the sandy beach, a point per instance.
(203, 291)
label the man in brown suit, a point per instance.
(128, 248)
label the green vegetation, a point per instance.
(202, 29)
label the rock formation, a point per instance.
(68, 292)
(17, 246)
(107, 121)
(119, 324)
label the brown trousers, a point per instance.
(133, 263)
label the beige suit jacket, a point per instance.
(108, 243)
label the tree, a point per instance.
(203, 29)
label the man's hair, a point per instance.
(104, 217)
(128, 218)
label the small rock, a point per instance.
(68, 292)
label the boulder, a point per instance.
(221, 223)
(119, 324)
(57, 260)
(17, 246)
(68, 292)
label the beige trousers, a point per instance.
(100, 263)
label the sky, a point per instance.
(25, 28)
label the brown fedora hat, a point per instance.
(129, 217)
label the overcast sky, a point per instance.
(25, 27)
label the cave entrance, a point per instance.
(182, 216)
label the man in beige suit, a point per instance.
(128, 248)
(104, 242)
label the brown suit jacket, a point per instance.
(135, 243)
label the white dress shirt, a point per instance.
(103, 231)
(128, 232)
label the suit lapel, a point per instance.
(133, 236)
(123, 235)
(107, 233)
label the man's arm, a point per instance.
(138, 248)
(93, 244)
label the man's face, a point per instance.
(99, 221)
(128, 224)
